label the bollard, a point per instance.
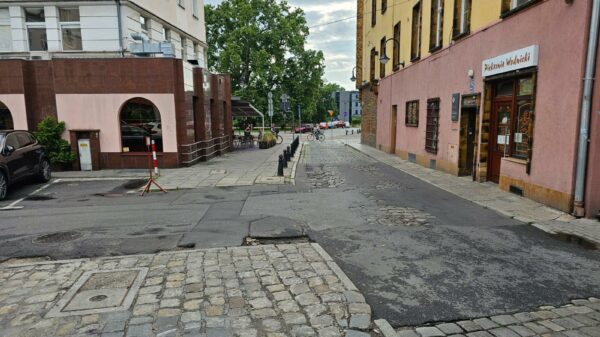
(346, 132)
(352, 131)
(285, 158)
(290, 154)
(280, 166)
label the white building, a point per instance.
(348, 104)
(99, 28)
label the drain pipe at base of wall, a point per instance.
(586, 101)
(120, 27)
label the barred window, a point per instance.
(433, 125)
(412, 113)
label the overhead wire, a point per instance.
(358, 16)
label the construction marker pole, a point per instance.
(154, 158)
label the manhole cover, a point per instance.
(100, 291)
(57, 237)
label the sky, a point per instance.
(337, 40)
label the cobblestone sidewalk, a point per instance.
(581, 318)
(272, 290)
(488, 195)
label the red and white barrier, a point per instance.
(154, 158)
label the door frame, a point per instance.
(494, 137)
(94, 137)
(393, 128)
(475, 107)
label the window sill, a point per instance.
(412, 125)
(517, 9)
(460, 36)
(182, 6)
(434, 49)
(415, 59)
(516, 160)
(196, 16)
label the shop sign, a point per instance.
(518, 59)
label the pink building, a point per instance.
(502, 105)
(113, 105)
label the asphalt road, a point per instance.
(418, 253)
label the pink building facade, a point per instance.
(502, 105)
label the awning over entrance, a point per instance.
(241, 108)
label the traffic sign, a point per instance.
(331, 112)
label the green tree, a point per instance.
(326, 101)
(262, 44)
(49, 133)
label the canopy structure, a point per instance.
(241, 108)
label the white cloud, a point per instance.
(337, 40)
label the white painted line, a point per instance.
(13, 205)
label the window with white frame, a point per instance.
(35, 21)
(144, 24)
(196, 57)
(183, 48)
(166, 34)
(5, 31)
(70, 28)
(437, 24)
(195, 7)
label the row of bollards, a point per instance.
(352, 131)
(287, 155)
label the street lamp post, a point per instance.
(384, 59)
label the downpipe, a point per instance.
(120, 27)
(586, 101)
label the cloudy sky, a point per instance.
(337, 40)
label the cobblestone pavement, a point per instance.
(580, 318)
(489, 195)
(272, 290)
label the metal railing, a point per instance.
(204, 149)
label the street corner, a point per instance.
(270, 290)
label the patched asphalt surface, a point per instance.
(463, 261)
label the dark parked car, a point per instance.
(21, 156)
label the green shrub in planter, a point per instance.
(49, 133)
(268, 140)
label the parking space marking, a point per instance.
(13, 205)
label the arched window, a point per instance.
(140, 119)
(6, 121)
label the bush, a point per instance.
(49, 133)
(268, 140)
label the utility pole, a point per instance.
(271, 108)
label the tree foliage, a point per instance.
(262, 44)
(49, 133)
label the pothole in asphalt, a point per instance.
(213, 197)
(583, 242)
(134, 184)
(403, 216)
(39, 197)
(59, 237)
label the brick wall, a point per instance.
(369, 116)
